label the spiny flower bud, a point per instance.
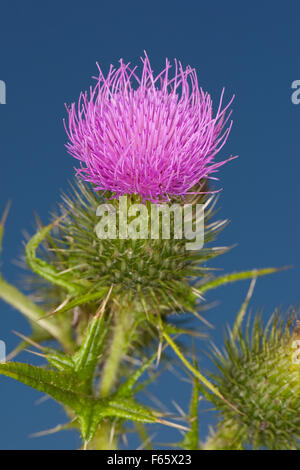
(152, 273)
(260, 374)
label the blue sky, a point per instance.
(48, 53)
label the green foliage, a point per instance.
(107, 301)
(71, 383)
(59, 385)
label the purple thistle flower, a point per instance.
(157, 139)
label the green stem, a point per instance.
(104, 438)
(225, 438)
(118, 349)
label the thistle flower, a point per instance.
(157, 139)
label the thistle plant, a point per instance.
(110, 296)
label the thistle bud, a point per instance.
(260, 374)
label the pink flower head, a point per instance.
(153, 136)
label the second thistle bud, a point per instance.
(260, 374)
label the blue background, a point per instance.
(48, 52)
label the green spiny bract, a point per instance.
(152, 276)
(258, 374)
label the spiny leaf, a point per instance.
(84, 362)
(61, 362)
(82, 299)
(241, 314)
(89, 420)
(63, 387)
(58, 385)
(44, 269)
(87, 357)
(57, 359)
(229, 278)
(127, 408)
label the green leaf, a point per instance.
(242, 311)
(124, 409)
(127, 408)
(83, 299)
(83, 363)
(87, 357)
(44, 269)
(240, 276)
(61, 362)
(91, 415)
(64, 387)
(59, 385)
(89, 420)
(90, 411)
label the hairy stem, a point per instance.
(118, 349)
(225, 438)
(104, 439)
